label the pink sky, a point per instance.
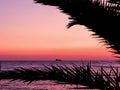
(34, 31)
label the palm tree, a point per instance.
(100, 16)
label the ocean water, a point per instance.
(11, 65)
(47, 85)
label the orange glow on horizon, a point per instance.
(31, 31)
(68, 54)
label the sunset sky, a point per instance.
(31, 31)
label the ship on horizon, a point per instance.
(58, 60)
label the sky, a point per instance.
(31, 31)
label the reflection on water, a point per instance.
(38, 85)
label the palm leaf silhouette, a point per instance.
(100, 16)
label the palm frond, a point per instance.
(102, 17)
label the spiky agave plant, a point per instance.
(100, 16)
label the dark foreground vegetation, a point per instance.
(82, 75)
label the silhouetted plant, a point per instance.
(101, 17)
(83, 75)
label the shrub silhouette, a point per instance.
(77, 74)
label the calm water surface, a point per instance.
(10, 65)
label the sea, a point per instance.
(49, 84)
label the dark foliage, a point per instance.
(115, 1)
(100, 16)
(83, 75)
